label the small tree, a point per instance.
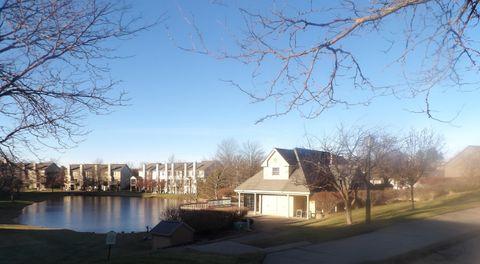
(420, 154)
(345, 164)
(213, 183)
(55, 180)
(252, 155)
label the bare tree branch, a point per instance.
(307, 54)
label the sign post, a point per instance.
(111, 240)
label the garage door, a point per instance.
(274, 205)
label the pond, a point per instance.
(97, 214)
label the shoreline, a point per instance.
(10, 210)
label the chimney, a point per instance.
(144, 171)
(157, 169)
(166, 177)
(96, 175)
(173, 177)
(109, 173)
(69, 175)
(195, 170)
(195, 176)
(184, 176)
(80, 178)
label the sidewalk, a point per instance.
(386, 244)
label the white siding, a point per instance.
(276, 161)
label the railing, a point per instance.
(208, 204)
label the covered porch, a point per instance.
(288, 205)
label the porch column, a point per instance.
(308, 206)
(254, 204)
(260, 203)
(238, 200)
(288, 205)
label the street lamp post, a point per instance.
(368, 202)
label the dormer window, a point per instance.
(275, 171)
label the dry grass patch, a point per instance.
(334, 227)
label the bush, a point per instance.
(463, 184)
(171, 214)
(432, 187)
(427, 193)
(226, 192)
(326, 201)
(207, 221)
(382, 197)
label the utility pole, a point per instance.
(368, 202)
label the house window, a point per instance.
(275, 171)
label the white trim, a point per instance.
(271, 192)
(274, 150)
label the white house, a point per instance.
(175, 177)
(284, 185)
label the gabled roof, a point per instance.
(466, 153)
(167, 228)
(118, 166)
(288, 155)
(257, 183)
(152, 166)
(308, 173)
(206, 164)
(40, 165)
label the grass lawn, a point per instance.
(64, 246)
(23, 244)
(334, 227)
(27, 244)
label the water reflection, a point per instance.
(97, 214)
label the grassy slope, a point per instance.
(24, 244)
(64, 246)
(334, 227)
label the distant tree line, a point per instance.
(360, 156)
(235, 164)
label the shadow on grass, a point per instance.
(396, 244)
(334, 227)
(69, 247)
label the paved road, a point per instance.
(386, 243)
(465, 252)
(390, 243)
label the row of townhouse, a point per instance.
(38, 176)
(174, 177)
(97, 177)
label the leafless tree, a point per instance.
(9, 180)
(383, 149)
(54, 70)
(345, 164)
(252, 155)
(55, 180)
(228, 154)
(213, 183)
(239, 163)
(421, 151)
(302, 56)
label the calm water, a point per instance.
(97, 214)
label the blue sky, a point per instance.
(179, 105)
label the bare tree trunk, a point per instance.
(348, 211)
(412, 197)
